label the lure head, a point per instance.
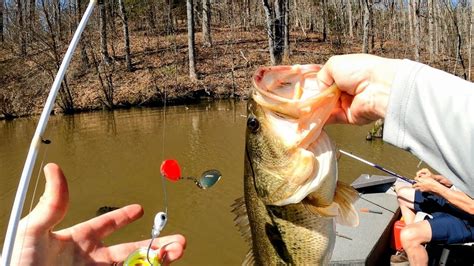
(159, 223)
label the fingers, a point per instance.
(423, 172)
(108, 223)
(171, 248)
(53, 204)
(325, 75)
(341, 114)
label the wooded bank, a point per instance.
(141, 52)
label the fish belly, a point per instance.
(290, 234)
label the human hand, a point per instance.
(439, 178)
(81, 244)
(365, 82)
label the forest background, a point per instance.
(146, 52)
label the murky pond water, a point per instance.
(113, 159)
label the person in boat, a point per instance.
(450, 210)
(427, 111)
(37, 244)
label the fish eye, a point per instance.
(163, 217)
(253, 124)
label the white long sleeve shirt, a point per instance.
(431, 114)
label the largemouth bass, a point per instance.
(291, 192)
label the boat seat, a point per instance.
(420, 216)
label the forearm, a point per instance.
(458, 199)
(430, 114)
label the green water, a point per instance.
(113, 159)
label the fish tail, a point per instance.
(345, 197)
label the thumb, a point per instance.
(325, 75)
(52, 206)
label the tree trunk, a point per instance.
(103, 32)
(410, 20)
(128, 56)
(169, 20)
(325, 20)
(286, 29)
(1, 21)
(436, 28)
(21, 28)
(349, 16)
(416, 30)
(82, 47)
(247, 14)
(57, 19)
(279, 21)
(191, 49)
(270, 31)
(31, 18)
(469, 50)
(151, 15)
(206, 23)
(366, 26)
(430, 29)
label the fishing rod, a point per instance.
(406, 179)
(38, 139)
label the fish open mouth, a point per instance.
(293, 101)
(291, 152)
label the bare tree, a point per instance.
(1, 21)
(366, 25)
(471, 28)
(325, 19)
(206, 23)
(430, 29)
(103, 32)
(21, 27)
(151, 15)
(286, 29)
(57, 18)
(279, 29)
(82, 47)
(273, 17)
(410, 20)
(191, 46)
(31, 17)
(349, 17)
(436, 30)
(128, 56)
(416, 30)
(66, 100)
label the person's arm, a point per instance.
(427, 183)
(427, 111)
(431, 114)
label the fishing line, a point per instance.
(158, 225)
(28, 217)
(165, 197)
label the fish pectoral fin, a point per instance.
(241, 220)
(345, 197)
(331, 210)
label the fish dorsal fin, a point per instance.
(249, 259)
(345, 197)
(241, 220)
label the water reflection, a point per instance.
(113, 159)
